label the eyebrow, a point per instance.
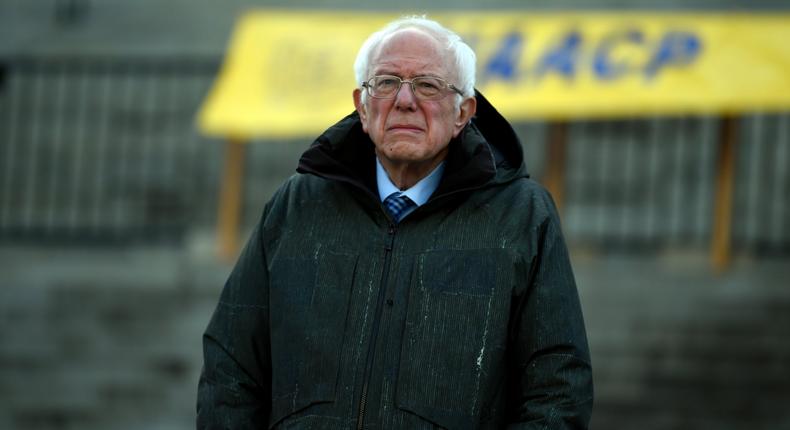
(391, 73)
(386, 70)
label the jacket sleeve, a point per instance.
(234, 389)
(553, 386)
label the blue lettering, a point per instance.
(562, 58)
(676, 49)
(603, 67)
(504, 63)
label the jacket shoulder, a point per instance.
(294, 194)
(525, 195)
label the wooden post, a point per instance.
(230, 200)
(722, 212)
(554, 177)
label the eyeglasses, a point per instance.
(423, 87)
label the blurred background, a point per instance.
(109, 202)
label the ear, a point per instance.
(361, 109)
(465, 112)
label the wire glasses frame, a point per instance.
(423, 87)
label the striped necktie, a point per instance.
(397, 204)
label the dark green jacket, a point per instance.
(465, 315)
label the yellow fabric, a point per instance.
(290, 74)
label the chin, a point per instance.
(407, 150)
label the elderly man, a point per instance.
(411, 276)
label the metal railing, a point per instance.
(651, 183)
(102, 149)
(105, 150)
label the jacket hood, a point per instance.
(502, 139)
(486, 152)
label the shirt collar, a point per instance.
(419, 193)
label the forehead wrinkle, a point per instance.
(410, 60)
(398, 69)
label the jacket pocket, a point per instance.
(455, 335)
(308, 301)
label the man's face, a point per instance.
(405, 129)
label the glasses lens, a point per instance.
(428, 87)
(384, 86)
(425, 87)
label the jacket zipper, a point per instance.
(393, 229)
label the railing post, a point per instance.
(554, 177)
(230, 200)
(722, 213)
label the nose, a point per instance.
(405, 98)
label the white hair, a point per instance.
(463, 57)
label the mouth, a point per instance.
(405, 127)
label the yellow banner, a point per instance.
(291, 74)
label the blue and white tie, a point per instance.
(397, 205)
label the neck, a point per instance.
(405, 174)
